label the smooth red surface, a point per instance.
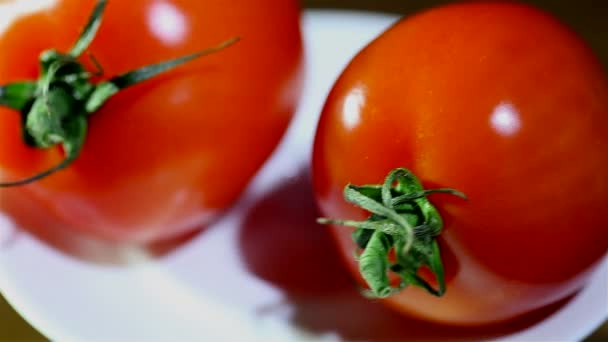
(163, 157)
(499, 101)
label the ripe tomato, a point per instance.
(162, 157)
(503, 103)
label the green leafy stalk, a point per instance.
(55, 108)
(107, 89)
(374, 264)
(17, 95)
(401, 220)
(90, 29)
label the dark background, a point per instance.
(588, 17)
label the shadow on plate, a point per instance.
(281, 243)
(71, 243)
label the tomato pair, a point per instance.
(497, 101)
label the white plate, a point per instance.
(250, 276)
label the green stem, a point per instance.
(107, 89)
(402, 220)
(76, 130)
(386, 226)
(55, 108)
(90, 30)
(17, 95)
(373, 264)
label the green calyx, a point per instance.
(55, 108)
(403, 222)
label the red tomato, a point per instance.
(503, 103)
(163, 157)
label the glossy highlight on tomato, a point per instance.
(165, 156)
(503, 103)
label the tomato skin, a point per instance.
(163, 157)
(503, 103)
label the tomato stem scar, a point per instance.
(402, 220)
(55, 108)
